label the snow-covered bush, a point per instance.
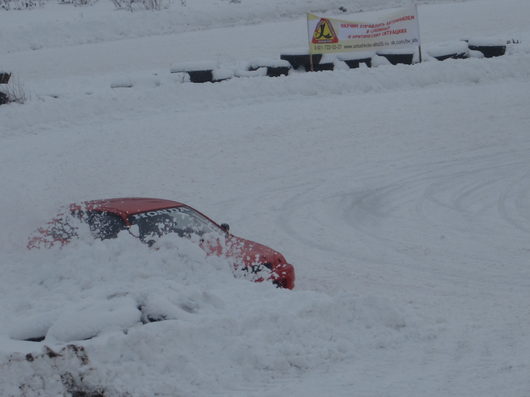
(78, 2)
(21, 4)
(132, 5)
(14, 91)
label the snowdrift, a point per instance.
(174, 316)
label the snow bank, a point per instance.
(93, 318)
(98, 282)
(177, 319)
(191, 97)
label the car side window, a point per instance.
(182, 221)
(105, 225)
(157, 226)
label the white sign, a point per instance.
(397, 29)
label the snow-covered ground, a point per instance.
(400, 193)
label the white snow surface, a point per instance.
(401, 194)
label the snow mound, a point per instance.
(254, 335)
(107, 285)
(91, 319)
(178, 318)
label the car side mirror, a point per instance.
(225, 227)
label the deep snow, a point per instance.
(400, 194)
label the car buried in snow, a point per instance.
(148, 219)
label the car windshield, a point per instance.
(180, 220)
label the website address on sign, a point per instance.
(404, 41)
(381, 44)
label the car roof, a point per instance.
(126, 206)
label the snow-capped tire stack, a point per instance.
(302, 61)
(488, 48)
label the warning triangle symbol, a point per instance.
(324, 32)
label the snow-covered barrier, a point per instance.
(273, 67)
(396, 57)
(489, 48)
(441, 52)
(326, 63)
(203, 72)
(355, 59)
(301, 60)
(208, 73)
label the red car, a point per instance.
(148, 219)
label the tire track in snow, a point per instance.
(460, 215)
